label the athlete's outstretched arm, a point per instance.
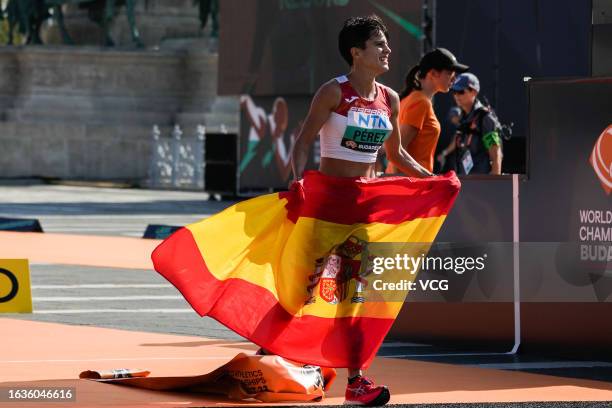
(393, 145)
(324, 102)
(282, 154)
(255, 114)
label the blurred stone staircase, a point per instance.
(87, 112)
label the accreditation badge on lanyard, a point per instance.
(467, 162)
(366, 129)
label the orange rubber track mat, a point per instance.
(36, 354)
(90, 250)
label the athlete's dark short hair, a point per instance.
(356, 31)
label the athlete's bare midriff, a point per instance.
(346, 168)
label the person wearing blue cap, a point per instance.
(477, 140)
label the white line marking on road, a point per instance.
(545, 365)
(105, 286)
(82, 311)
(94, 298)
(120, 359)
(403, 344)
(444, 355)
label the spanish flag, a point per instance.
(285, 271)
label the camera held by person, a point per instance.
(478, 139)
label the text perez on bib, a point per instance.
(366, 129)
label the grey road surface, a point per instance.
(143, 300)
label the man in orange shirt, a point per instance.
(419, 126)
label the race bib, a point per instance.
(366, 130)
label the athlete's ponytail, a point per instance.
(411, 82)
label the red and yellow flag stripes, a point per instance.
(284, 270)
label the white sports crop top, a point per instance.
(358, 127)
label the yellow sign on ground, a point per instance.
(15, 292)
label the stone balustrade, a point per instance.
(87, 112)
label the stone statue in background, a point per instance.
(28, 16)
(206, 8)
(102, 12)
